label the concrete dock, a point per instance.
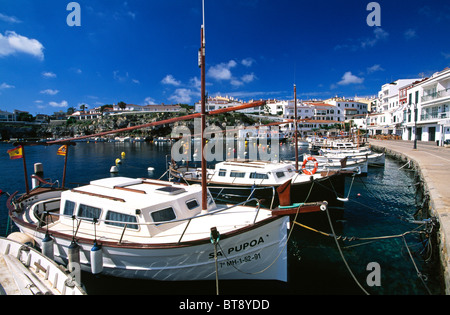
(433, 164)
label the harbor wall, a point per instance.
(437, 206)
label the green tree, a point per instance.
(122, 105)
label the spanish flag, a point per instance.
(16, 153)
(62, 150)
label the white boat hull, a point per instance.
(240, 256)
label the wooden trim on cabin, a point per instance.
(98, 195)
(130, 189)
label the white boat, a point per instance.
(357, 165)
(374, 158)
(261, 179)
(301, 143)
(153, 229)
(25, 271)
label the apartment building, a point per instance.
(427, 109)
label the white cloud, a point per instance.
(236, 83)
(170, 80)
(5, 86)
(183, 96)
(409, 34)
(12, 43)
(76, 70)
(349, 78)
(49, 74)
(374, 68)
(379, 35)
(149, 101)
(9, 19)
(61, 104)
(117, 76)
(247, 78)
(248, 62)
(222, 71)
(49, 92)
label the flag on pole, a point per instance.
(16, 153)
(62, 150)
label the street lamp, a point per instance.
(415, 126)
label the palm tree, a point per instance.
(83, 107)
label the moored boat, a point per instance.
(239, 179)
(26, 271)
(165, 237)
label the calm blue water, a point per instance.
(378, 206)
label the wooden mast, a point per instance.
(203, 111)
(295, 122)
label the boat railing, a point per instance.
(126, 223)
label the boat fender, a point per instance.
(96, 259)
(22, 238)
(114, 169)
(47, 246)
(314, 170)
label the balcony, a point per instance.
(435, 95)
(434, 116)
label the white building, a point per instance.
(431, 99)
(389, 109)
(276, 107)
(218, 102)
(7, 116)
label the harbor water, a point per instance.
(378, 249)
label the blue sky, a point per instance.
(145, 51)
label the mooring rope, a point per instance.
(343, 257)
(353, 238)
(281, 251)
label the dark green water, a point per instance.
(379, 205)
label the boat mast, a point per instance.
(295, 122)
(203, 107)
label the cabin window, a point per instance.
(69, 206)
(222, 172)
(280, 174)
(237, 174)
(259, 176)
(192, 204)
(166, 214)
(121, 217)
(88, 212)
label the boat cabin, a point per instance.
(252, 172)
(114, 202)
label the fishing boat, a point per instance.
(351, 165)
(373, 158)
(26, 271)
(151, 229)
(239, 179)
